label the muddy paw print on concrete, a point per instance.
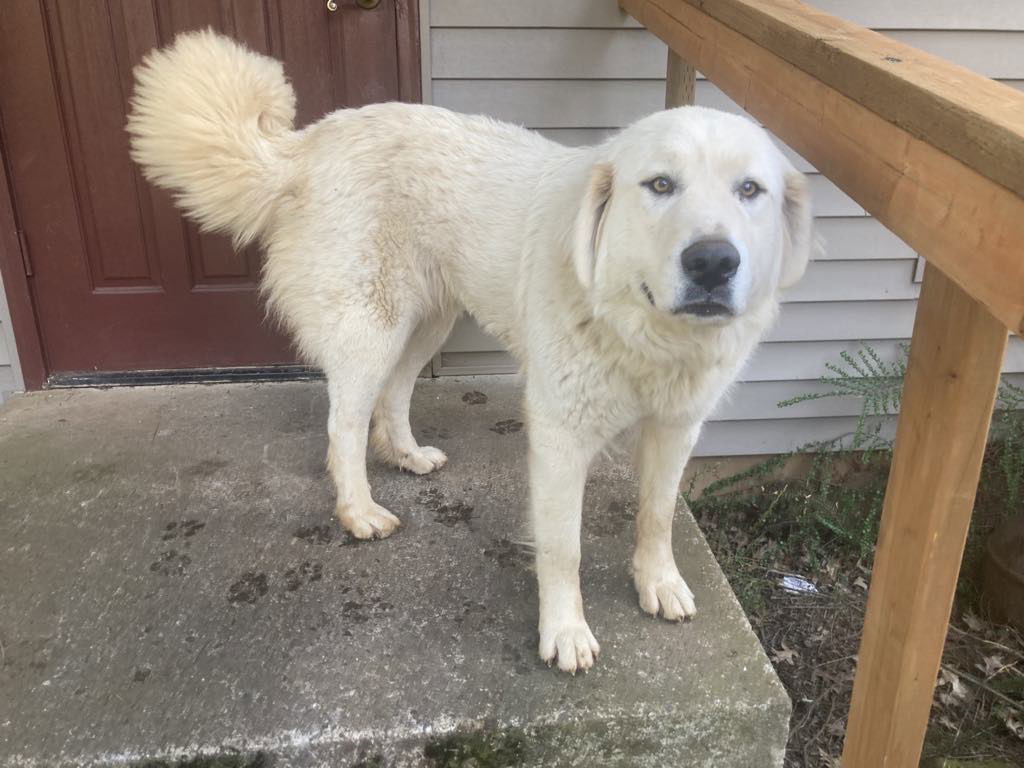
(363, 610)
(446, 513)
(612, 520)
(506, 553)
(171, 563)
(185, 529)
(306, 573)
(249, 588)
(507, 427)
(315, 534)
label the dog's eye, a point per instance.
(749, 189)
(660, 185)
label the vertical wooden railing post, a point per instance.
(680, 82)
(952, 376)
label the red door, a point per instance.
(118, 280)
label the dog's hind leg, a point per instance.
(391, 436)
(364, 357)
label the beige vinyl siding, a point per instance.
(578, 69)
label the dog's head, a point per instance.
(692, 213)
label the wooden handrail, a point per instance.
(946, 206)
(936, 153)
(976, 120)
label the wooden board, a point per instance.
(948, 394)
(970, 117)
(964, 222)
(680, 82)
(885, 14)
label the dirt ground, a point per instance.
(802, 578)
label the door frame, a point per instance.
(15, 266)
(20, 302)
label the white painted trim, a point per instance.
(426, 73)
(16, 382)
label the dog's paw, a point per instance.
(423, 460)
(666, 594)
(367, 521)
(571, 645)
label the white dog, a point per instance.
(631, 279)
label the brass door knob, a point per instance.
(332, 5)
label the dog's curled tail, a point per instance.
(210, 121)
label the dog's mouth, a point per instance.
(704, 309)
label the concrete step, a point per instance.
(173, 587)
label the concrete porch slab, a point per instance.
(173, 588)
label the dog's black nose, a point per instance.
(710, 263)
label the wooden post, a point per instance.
(680, 82)
(951, 382)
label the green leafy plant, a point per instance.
(836, 504)
(878, 384)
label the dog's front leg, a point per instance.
(661, 457)
(558, 471)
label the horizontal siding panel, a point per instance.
(882, 14)
(741, 438)
(757, 400)
(829, 200)
(567, 103)
(849, 239)
(844, 321)
(636, 54)
(806, 360)
(546, 53)
(928, 14)
(474, 363)
(998, 55)
(803, 360)
(856, 281)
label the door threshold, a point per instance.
(150, 378)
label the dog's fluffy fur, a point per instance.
(380, 224)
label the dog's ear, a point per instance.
(799, 239)
(588, 239)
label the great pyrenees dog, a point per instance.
(630, 279)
